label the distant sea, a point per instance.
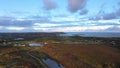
(93, 34)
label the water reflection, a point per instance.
(35, 44)
(52, 64)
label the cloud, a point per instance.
(39, 18)
(118, 3)
(113, 15)
(74, 29)
(46, 25)
(113, 29)
(19, 12)
(107, 16)
(22, 22)
(66, 18)
(15, 28)
(118, 12)
(18, 23)
(29, 21)
(83, 12)
(6, 18)
(75, 5)
(64, 24)
(5, 21)
(49, 4)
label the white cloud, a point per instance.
(118, 26)
(74, 29)
(98, 28)
(1, 27)
(67, 18)
(41, 29)
(15, 28)
(110, 21)
(45, 25)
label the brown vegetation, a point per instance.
(75, 55)
(85, 56)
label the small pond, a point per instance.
(52, 64)
(35, 44)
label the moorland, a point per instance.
(67, 51)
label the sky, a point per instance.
(59, 15)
